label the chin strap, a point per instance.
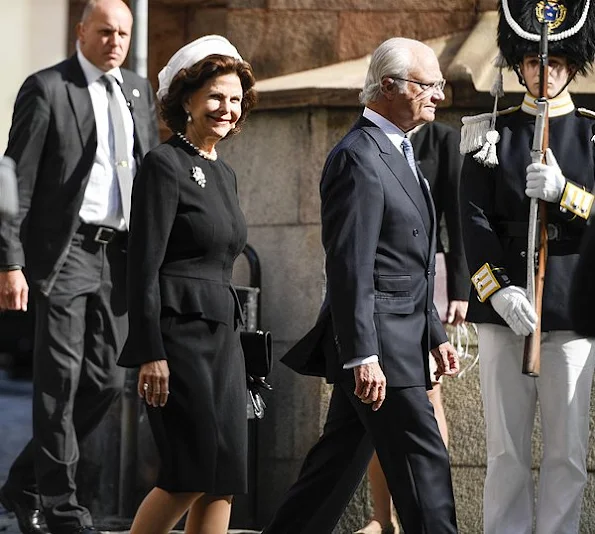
(517, 71)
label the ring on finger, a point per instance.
(146, 386)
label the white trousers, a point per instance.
(509, 398)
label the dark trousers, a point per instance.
(412, 454)
(80, 329)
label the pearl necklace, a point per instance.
(211, 156)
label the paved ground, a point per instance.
(15, 431)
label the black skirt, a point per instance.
(202, 431)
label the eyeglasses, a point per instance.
(435, 86)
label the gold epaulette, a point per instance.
(475, 128)
(576, 200)
(485, 282)
(586, 112)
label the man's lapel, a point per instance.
(399, 167)
(80, 102)
(132, 94)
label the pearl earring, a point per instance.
(189, 117)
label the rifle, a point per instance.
(538, 210)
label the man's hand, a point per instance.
(447, 360)
(370, 384)
(545, 182)
(457, 311)
(153, 382)
(14, 291)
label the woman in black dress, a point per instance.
(186, 231)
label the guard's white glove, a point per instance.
(545, 182)
(513, 306)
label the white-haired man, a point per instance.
(378, 322)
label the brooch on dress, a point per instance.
(199, 176)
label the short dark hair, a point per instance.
(189, 80)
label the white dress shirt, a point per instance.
(101, 203)
(395, 136)
(394, 133)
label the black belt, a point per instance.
(555, 231)
(100, 234)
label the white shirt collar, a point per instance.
(93, 73)
(393, 132)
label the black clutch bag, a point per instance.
(258, 352)
(258, 355)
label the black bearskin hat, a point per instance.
(579, 48)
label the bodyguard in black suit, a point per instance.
(378, 321)
(77, 137)
(437, 146)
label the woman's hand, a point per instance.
(153, 382)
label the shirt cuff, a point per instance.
(11, 267)
(360, 361)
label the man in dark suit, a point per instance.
(436, 147)
(79, 131)
(378, 322)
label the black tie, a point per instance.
(118, 133)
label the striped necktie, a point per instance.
(409, 156)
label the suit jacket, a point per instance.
(379, 234)
(182, 244)
(436, 147)
(53, 139)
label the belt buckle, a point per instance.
(104, 235)
(553, 232)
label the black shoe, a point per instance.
(30, 520)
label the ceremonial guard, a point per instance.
(501, 175)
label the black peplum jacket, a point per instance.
(183, 241)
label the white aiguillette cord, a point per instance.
(460, 339)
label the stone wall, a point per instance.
(283, 36)
(292, 35)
